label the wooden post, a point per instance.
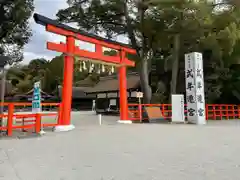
(10, 119)
(67, 82)
(59, 114)
(38, 123)
(123, 94)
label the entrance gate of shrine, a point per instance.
(71, 50)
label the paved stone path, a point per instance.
(125, 152)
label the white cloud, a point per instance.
(36, 48)
(51, 37)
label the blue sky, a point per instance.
(36, 48)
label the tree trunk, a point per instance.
(144, 78)
(3, 85)
(175, 64)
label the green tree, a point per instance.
(54, 74)
(135, 19)
(23, 77)
(14, 27)
(168, 28)
(20, 78)
(204, 27)
(152, 26)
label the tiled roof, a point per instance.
(77, 92)
(87, 82)
(111, 83)
(106, 84)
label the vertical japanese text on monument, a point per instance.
(191, 112)
(200, 86)
(190, 99)
(195, 88)
(190, 86)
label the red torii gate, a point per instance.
(70, 50)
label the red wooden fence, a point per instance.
(136, 111)
(35, 121)
(213, 111)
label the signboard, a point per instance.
(109, 95)
(113, 102)
(139, 94)
(101, 95)
(178, 108)
(195, 88)
(31, 98)
(36, 101)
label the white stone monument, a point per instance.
(195, 88)
(178, 115)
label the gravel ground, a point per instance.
(125, 152)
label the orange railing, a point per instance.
(222, 111)
(137, 111)
(27, 120)
(213, 111)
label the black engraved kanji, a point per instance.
(199, 85)
(200, 112)
(190, 99)
(189, 62)
(200, 98)
(190, 86)
(191, 112)
(189, 73)
(199, 73)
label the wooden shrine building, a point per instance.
(80, 99)
(107, 92)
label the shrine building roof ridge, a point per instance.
(115, 76)
(111, 83)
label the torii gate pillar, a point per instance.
(65, 120)
(67, 81)
(123, 95)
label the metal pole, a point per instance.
(3, 85)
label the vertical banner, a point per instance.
(178, 115)
(195, 88)
(36, 100)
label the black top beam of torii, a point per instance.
(44, 21)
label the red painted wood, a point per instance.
(68, 82)
(56, 30)
(57, 47)
(98, 55)
(123, 91)
(72, 50)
